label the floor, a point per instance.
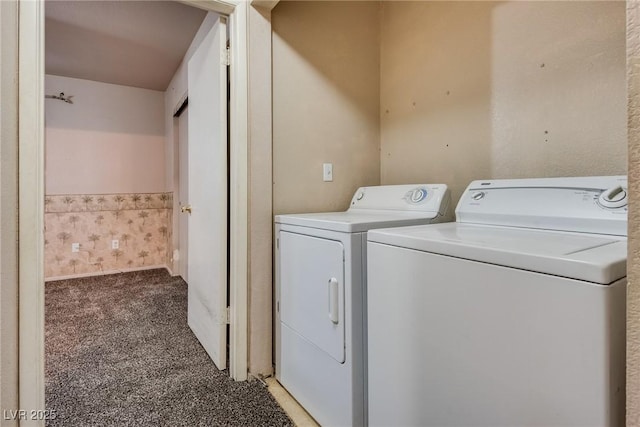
(299, 416)
(119, 352)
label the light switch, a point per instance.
(327, 172)
(75, 247)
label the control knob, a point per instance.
(418, 195)
(478, 195)
(615, 197)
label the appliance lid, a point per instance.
(594, 258)
(354, 221)
(596, 204)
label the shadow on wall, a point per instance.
(325, 102)
(92, 44)
(473, 90)
(435, 92)
(328, 50)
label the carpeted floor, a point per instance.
(119, 352)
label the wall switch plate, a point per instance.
(75, 247)
(327, 172)
(115, 244)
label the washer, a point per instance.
(512, 316)
(321, 292)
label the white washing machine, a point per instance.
(320, 271)
(512, 316)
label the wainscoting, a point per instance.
(142, 223)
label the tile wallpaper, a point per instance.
(141, 223)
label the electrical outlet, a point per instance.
(327, 172)
(75, 247)
(115, 244)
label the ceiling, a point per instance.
(130, 43)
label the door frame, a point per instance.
(31, 193)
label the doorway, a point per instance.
(106, 206)
(181, 122)
(30, 90)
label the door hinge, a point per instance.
(277, 243)
(228, 315)
(226, 57)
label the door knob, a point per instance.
(185, 208)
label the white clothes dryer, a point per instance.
(512, 316)
(320, 274)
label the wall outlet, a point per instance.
(115, 244)
(327, 172)
(75, 247)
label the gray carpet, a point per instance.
(119, 352)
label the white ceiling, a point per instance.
(131, 43)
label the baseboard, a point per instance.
(170, 271)
(107, 272)
(290, 405)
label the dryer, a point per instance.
(514, 315)
(320, 274)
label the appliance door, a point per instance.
(453, 342)
(312, 291)
(316, 339)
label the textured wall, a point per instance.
(473, 90)
(141, 223)
(435, 79)
(633, 264)
(325, 102)
(260, 188)
(8, 212)
(110, 140)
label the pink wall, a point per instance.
(140, 222)
(110, 140)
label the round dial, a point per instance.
(418, 195)
(360, 195)
(478, 195)
(615, 197)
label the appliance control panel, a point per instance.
(586, 204)
(418, 197)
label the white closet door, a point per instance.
(207, 241)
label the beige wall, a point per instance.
(325, 103)
(110, 140)
(468, 90)
(473, 90)
(260, 194)
(633, 263)
(8, 211)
